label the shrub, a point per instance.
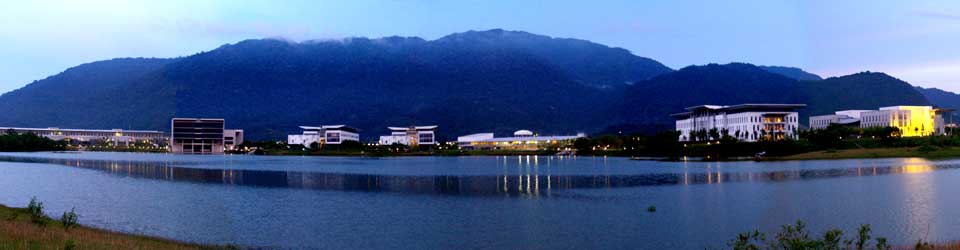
(748, 241)
(923, 245)
(69, 245)
(926, 148)
(797, 237)
(651, 209)
(69, 219)
(36, 211)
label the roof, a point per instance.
(414, 127)
(847, 121)
(742, 107)
(194, 119)
(903, 107)
(531, 138)
(748, 106)
(331, 127)
(523, 132)
(82, 130)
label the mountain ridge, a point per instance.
(792, 72)
(498, 81)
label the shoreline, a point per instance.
(18, 231)
(930, 153)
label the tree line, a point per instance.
(11, 141)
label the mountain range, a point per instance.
(476, 81)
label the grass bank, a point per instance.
(864, 153)
(19, 230)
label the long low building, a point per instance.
(86, 137)
(521, 140)
(745, 122)
(326, 134)
(911, 120)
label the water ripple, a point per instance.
(533, 184)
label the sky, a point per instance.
(916, 41)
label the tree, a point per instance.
(714, 134)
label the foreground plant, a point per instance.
(797, 237)
(36, 211)
(69, 219)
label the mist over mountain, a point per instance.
(586, 62)
(475, 81)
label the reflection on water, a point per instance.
(527, 181)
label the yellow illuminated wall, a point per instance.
(919, 122)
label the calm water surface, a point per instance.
(482, 202)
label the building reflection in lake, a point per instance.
(525, 180)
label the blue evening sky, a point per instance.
(917, 41)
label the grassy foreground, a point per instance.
(922, 152)
(18, 231)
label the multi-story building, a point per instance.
(196, 135)
(232, 138)
(326, 134)
(746, 122)
(910, 120)
(521, 140)
(410, 136)
(844, 117)
(88, 137)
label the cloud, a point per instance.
(937, 15)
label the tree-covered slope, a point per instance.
(866, 90)
(792, 73)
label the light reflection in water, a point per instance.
(527, 181)
(921, 195)
(917, 165)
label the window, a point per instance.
(426, 138)
(333, 137)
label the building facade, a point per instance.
(521, 140)
(93, 137)
(745, 122)
(197, 135)
(232, 138)
(910, 120)
(327, 134)
(410, 136)
(845, 117)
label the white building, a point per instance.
(83, 137)
(521, 140)
(746, 122)
(326, 134)
(843, 117)
(410, 136)
(232, 138)
(911, 120)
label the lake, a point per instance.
(512, 202)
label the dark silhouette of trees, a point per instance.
(11, 141)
